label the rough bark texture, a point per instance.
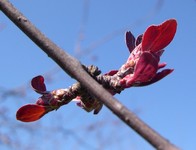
(75, 70)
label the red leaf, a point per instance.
(146, 67)
(38, 84)
(157, 37)
(130, 41)
(138, 40)
(112, 72)
(30, 112)
(159, 76)
(145, 70)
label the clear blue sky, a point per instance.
(167, 106)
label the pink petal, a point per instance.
(30, 112)
(157, 37)
(130, 41)
(38, 84)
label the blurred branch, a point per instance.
(21, 91)
(81, 33)
(75, 69)
(86, 51)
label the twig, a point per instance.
(75, 69)
(87, 50)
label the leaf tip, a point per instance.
(30, 112)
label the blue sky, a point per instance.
(96, 36)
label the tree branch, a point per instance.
(75, 69)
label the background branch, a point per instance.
(74, 69)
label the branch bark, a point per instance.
(74, 68)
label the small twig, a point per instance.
(75, 69)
